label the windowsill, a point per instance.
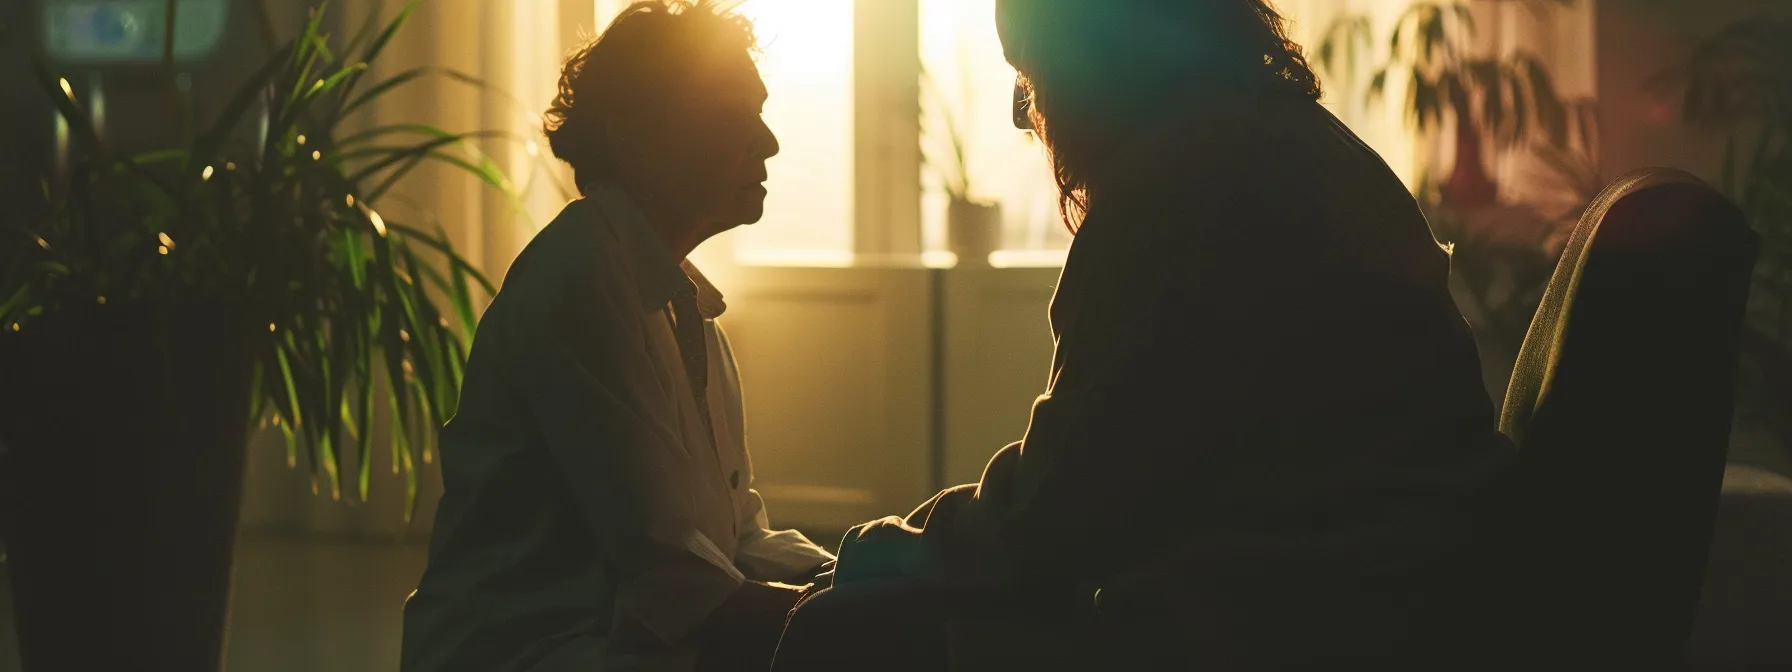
(933, 259)
(1028, 258)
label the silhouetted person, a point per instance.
(1265, 418)
(598, 511)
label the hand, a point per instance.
(820, 578)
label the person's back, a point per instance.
(1314, 395)
(509, 550)
(1266, 422)
(1255, 337)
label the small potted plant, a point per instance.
(169, 301)
(973, 225)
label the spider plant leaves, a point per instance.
(286, 404)
(405, 158)
(364, 371)
(364, 321)
(384, 86)
(385, 37)
(462, 298)
(206, 148)
(441, 246)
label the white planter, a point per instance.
(973, 230)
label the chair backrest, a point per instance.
(1621, 405)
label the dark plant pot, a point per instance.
(122, 433)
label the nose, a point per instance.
(767, 145)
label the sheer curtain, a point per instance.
(514, 47)
(1564, 39)
(1381, 124)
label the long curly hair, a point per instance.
(628, 69)
(1099, 73)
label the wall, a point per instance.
(1637, 40)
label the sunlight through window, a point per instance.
(806, 61)
(807, 66)
(964, 90)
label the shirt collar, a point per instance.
(709, 299)
(658, 277)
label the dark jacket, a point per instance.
(1262, 397)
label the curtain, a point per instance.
(1564, 40)
(514, 48)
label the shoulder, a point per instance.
(577, 240)
(574, 259)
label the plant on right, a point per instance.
(1739, 81)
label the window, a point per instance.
(806, 60)
(966, 84)
(808, 64)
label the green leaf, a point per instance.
(14, 302)
(383, 86)
(379, 43)
(392, 129)
(206, 147)
(409, 156)
(329, 84)
(292, 392)
(486, 170)
(364, 446)
(413, 235)
(158, 156)
(1433, 38)
(462, 298)
(257, 397)
(308, 52)
(370, 22)
(79, 123)
(1378, 85)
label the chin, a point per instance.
(749, 210)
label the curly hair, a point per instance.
(1098, 72)
(628, 69)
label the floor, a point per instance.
(303, 605)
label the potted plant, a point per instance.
(1739, 81)
(973, 225)
(170, 300)
(1502, 251)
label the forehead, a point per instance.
(727, 73)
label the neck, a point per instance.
(679, 238)
(680, 235)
